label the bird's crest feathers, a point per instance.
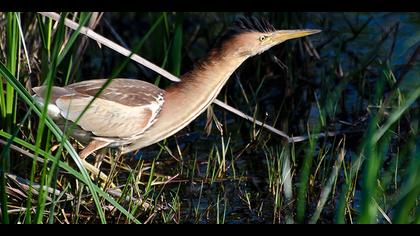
(244, 25)
(253, 24)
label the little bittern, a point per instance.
(131, 114)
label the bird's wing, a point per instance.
(129, 92)
(123, 109)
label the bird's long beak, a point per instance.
(283, 35)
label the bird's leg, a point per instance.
(97, 172)
(91, 147)
(99, 157)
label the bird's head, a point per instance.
(252, 36)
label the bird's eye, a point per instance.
(263, 37)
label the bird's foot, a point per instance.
(97, 173)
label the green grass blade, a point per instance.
(410, 194)
(56, 131)
(70, 170)
(396, 115)
(8, 105)
(73, 38)
(327, 188)
(176, 54)
(303, 180)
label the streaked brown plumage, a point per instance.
(132, 114)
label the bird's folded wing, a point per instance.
(129, 92)
(126, 107)
(106, 118)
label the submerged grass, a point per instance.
(221, 169)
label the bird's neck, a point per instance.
(200, 87)
(186, 100)
(208, 76)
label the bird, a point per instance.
(130, 114)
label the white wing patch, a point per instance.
(155, 108)
(52, 110)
